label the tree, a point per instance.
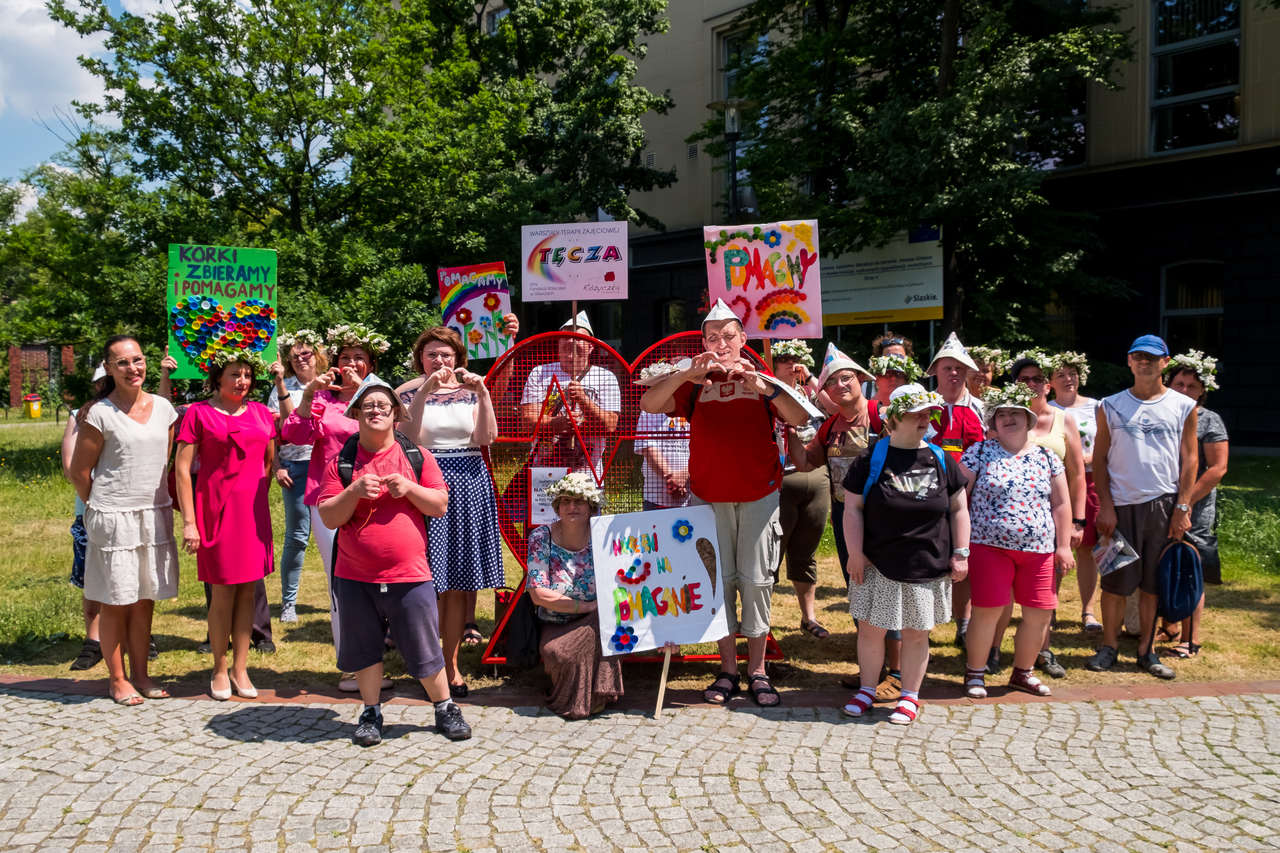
(877, 116)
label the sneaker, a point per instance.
(265, 646)
(204, 648)
(449, 723)
(1103, 659)
(90, 655)
(1152, 665)
(993, 662)
(1047, 662)
(289, 613)
(369, 728)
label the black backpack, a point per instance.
(347, 468)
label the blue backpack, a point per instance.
(880, 450)
(1180, 581)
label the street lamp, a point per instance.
(732, 109)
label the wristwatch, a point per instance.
(1182, 507)
(961, 552)
(776, 391)
(1079, 522)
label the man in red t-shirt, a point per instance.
(735, 468)
(380, 570)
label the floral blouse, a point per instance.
(1009, 507)
(570, 573)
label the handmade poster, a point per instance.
(473, 300)
(769, 275)
(219, 297)
(540, 511)
(576, 260)
(657, 579)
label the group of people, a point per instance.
(949, 504)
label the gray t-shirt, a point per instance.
(1209, 430)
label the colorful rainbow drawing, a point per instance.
(540, 268)
(781, 308)
(478, 280)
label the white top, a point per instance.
(448, 419)
(1146, 437)
(600, 385)
(289, 452)
(1085, 412)
(131, 471)
(670, 437)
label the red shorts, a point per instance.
(1091, 505)
(994, 572)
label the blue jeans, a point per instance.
(297, 530)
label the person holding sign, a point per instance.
(906, 524)
(321, 421)
(562, 584)
(226, 518)
(374, 495)
(735, 468)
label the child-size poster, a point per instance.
(657, 579)
(473, 301)
(219, 297)
(768, 274)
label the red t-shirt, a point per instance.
(732, 454)
(385, 540)
(959, 427)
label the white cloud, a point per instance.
(38, 68)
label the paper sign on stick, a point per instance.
(576, 260)
(657, 579)
(473, 300)
(540, 478)
(769, 275)
(219, 297)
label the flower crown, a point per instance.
(901, 404)
(1204, 366)
(993, 356)
(310, 337)
(1015, 395)
(357, 335)
(223, 357)
(658, 368)
(1057, 361)
(1040, 357)
(794, 349)
(578, 484)
(882, 364)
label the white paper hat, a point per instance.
(720, 311)
(835, 361)
(581, 321)
(952, 348)
(370, 382)
(99, 372)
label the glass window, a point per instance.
(1195, 73)
(1192, 306)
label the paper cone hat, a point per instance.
(835, 361)
(952, 348)
(370, 382)
(99, 372)
(720, 311)
(581, 321)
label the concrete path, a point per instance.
(1183, 772)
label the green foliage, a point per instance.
(877, 116)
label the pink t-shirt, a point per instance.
(385, 540)
(326, 431)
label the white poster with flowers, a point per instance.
(657, 579)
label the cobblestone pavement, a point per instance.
(1182, 773)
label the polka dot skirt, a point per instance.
(464, 547)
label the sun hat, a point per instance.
(1016, 395)
(370, 382)
(952, 348)
(577, 484)
(834, 361)
(1150, 344)
(909, 399)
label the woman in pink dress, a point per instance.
(226, 522)
(320, 420)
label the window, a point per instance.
(493, 19)
(737, 50)
(1195, 58)
(1191, 306)
(673, 317)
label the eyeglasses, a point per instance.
(137, 361)
(376, 408)
(1033, 380)
(353, 359)
(302, 356)
(439, 355)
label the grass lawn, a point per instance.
(41, 628)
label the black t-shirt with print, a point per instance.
(907, 517)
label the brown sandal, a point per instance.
(815, 628)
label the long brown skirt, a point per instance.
(581, 677)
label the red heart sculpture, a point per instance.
(577, 440)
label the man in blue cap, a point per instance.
(1144, 465)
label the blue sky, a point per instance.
(39, 78)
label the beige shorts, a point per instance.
(748, 537)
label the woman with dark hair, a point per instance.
(889, 343)
(451, 414)
(1193, 373)
(118, 469)
(891, 372)
(226, 518)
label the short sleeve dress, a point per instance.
(231, 510)
(131, 554)
(1210, 429)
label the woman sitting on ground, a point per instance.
(562, 583)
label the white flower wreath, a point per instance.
(1204, 366)
(357, 335)
(793, 349)
(577, 484)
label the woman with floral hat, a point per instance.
(320, 420)
(1194, 374)
(226, 520)
(562, 585)
(891, 372)
(991, 362)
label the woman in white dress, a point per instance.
(118, 469)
